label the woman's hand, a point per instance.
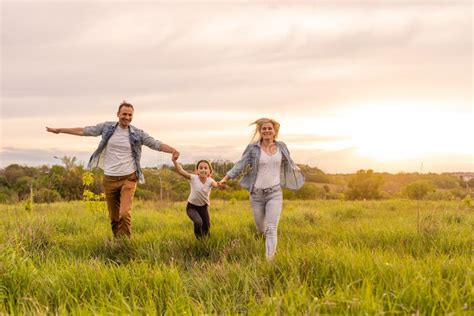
(222, 184)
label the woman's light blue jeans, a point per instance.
(266, 205)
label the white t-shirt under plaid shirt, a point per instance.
(200, 192)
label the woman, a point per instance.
(268, 168)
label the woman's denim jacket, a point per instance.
(291, 176)
(137, 138)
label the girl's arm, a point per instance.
(215, 184)
(181, 171)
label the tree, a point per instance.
(23, 186)
(418, 190)
(444, 181)
(13, 172)
(313, 174)
(8, 195)
(470, 183)
(69, 162)
(44, 195)
(364, 185)
(310, 191)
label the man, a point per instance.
(119, 155)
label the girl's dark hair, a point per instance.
(208, 163)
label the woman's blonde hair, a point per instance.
(260, 122)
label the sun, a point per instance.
(394, 132)
(387, 131)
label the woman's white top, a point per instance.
(118, 159)
(200, 192)
(269, 168)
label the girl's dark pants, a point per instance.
(200, 217)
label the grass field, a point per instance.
(374, 257)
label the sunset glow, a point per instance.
(354, 85)
(391, 132)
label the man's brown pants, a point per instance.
(119, 191)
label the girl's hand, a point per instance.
(222, 184)
(174, 155)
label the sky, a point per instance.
(385, 85)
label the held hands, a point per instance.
(222, 184)
(174, 155)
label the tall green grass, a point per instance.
(371, 257)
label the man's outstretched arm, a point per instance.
(171, 150)
(79, 131)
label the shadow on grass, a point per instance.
(116, 251)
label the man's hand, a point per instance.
(174, 155)
(52, 130)
(78, 131)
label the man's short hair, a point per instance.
(125, 103)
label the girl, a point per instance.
(198, 201)
(270, 168)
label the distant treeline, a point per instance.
(65, 183)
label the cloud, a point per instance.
(97, 50)
(39, 157)
(71, 64)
